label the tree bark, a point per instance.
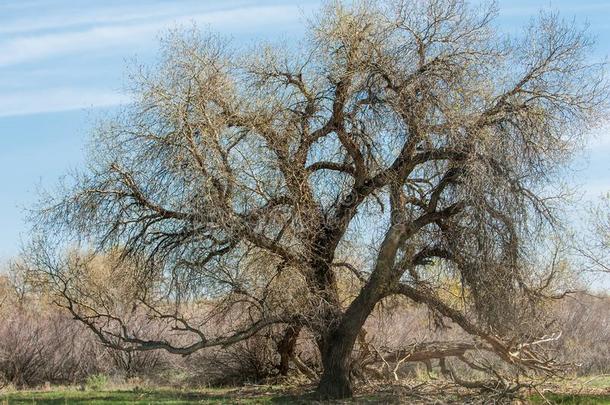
(286, 348)
(335, 382)
(337, 345)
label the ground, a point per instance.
(580, 391)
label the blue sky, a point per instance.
(63, 63)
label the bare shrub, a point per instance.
(38, 347)
(41, 343)
(585, 322)
(250, 361)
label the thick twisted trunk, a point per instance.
(337, 345)
(338, 339)
(335, 382)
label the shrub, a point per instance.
(96, 382)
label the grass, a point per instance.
(597, 392)
(581, 390)
(173, 397)
(571, 399)
(176, 397)
(261, 395)
(600, 381)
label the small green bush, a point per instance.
(96, 382)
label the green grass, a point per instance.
(243, 396)
(173, 397)
(572, 399)
(600, 381)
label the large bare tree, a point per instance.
(404, 144)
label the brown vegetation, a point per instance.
(41, 344)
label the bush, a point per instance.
(585, 323)
(40, 346)
(40, 343)
(96, 382)
(249, 361)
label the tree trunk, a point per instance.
(336, 347)
(286, 348)
(335, 382)
(337, 343)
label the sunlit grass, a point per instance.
(571, 399)
(165, 396)
(270, 394)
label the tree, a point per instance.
(594, 246)
(403, 144)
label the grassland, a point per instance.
(594, 391)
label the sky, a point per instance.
(63, 64)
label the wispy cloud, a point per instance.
(34, 51)
(58, 99)
(34, 47)
(66, 18)
(85, 17)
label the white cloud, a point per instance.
(125, 26)
(34, 47)
(58, 99)
(26, 49)
(83, 17)
(14, 100)
(61, 17)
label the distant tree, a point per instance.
(405, 143)
(594, 243)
